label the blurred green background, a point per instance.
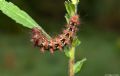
(99, 33)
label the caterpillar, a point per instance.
(58, 42)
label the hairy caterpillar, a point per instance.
(60, 41)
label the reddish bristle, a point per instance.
(58, 42)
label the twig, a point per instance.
(71, 61)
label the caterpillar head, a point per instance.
(75, 20)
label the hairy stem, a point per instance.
(71, 61)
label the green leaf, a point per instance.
(67, 7)
(67, 52)
(76, 42)
(78, 65)
(17, 14)
(75, 2)
(70, 8)
(67, 17)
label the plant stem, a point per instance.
(71, 61)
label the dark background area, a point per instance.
(99, 33)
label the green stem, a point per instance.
(72, 54)
(71, 61)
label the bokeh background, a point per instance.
(99, 33)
